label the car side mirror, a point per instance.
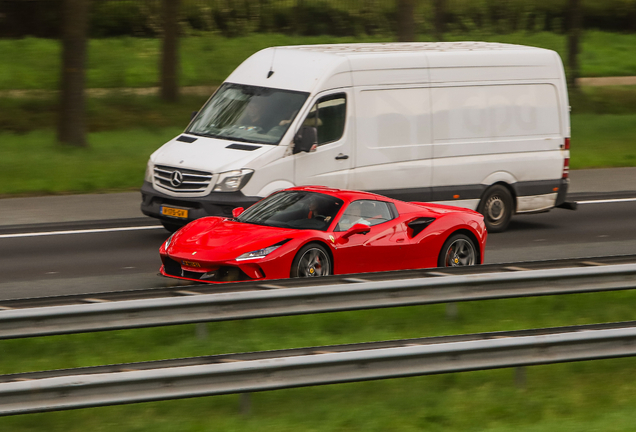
(306, 140)
(357, 229)
(237, 211)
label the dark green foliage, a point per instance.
(233, 18)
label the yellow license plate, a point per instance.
(174, 212)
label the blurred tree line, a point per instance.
(74, 21)
(143, 18)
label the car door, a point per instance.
(330, 163)
(383, 248)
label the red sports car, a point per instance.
(317, 231)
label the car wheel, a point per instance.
(458, 250)
(496, 206)
(311, 261)
(171, 227)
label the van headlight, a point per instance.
(150, 167)
(232, 181)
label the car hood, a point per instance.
(219, 239)
(208, 154)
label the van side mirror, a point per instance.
(237, 211)
(306, 140)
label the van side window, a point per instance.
(367, 212)
(328, 117)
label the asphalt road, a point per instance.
(40, 260)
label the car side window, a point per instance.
(367, 212)
(328, 117)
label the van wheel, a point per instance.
(496, 206)
(311, 261)
(171, 227)
(458, 250)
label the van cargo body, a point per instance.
(471, 124)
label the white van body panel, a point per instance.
(272, 171)
(293, 69)
(274, 186)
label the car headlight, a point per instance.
(149, 171)
(167, 243)
(232, 181)
(258, 253)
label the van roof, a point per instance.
(314, 68)
(395, 47)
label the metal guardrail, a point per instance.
(281, 301)
(214, 375)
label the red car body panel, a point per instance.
(213, 244)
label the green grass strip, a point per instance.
(207, 59)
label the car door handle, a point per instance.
(400, 240)
(342, 156)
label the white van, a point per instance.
(479, 125)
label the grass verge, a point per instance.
(33, 164)
(208, 59)
(573, 396)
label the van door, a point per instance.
(394, 142)
(329, 164)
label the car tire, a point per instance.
(458, 250)
(496, 205)
(171, 227)
(312, 260)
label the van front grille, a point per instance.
(181, 180)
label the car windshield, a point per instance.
(294, 209)
(248, 113)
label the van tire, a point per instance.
(496, 205)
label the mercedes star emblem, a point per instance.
(176, 179)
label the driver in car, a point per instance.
(352, 216)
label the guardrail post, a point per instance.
(202, 331)
(246, 404)
(451, 311)
(520, 377)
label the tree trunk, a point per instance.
(72, 119)
(406, 20)
(440, 19)
(575, 17)
(170, 51)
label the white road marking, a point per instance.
(607, 201)
(87, 231)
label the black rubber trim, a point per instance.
(447, 193)
(214, 204)
(185, 138)
(540, 187)
(411, 194)
(246, 147)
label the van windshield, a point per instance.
(248, 113)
